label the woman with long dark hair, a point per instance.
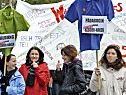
(35, 72)
(110, 77)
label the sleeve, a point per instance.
(94, 82)
(22, 69)
(124, 92)
(20, 22)
(17, 87)
(43, 74)
(72, 14)
(110, 10)
(80, 83)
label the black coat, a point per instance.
(73, 79)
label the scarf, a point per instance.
(112, 82)
(31, 77)
(9, 75)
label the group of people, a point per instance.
(33, 77)
(30, 79)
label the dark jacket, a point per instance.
(73, 80)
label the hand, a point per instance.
(97, 71)
(58, 65)
(35, 65)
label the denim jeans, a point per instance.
(55, 89)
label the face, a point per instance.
(65, 58)
(34, 55)
(111, 55)
(12, 63)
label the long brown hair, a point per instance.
(119, 63)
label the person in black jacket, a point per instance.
(72, 76)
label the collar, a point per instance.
(91, 0)
(8, 12)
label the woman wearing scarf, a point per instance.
(35, 72)
(110, 77)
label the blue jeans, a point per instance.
(55, 89)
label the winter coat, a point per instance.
(73, 79)
(112, 82)
(16, 84)
(42, 77)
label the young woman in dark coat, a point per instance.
(72, 77)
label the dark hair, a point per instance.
(70, 51)
(41, 55)
(9, 57)
(2, 61)
(118, 63)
